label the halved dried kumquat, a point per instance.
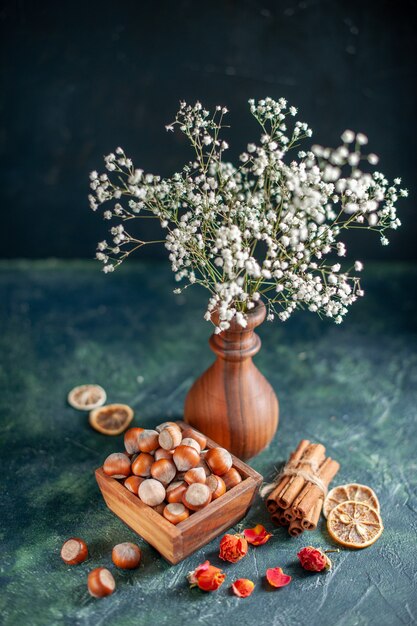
(111, 419)
(354, 524)
(351, 491)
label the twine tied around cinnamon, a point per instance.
(293, 469)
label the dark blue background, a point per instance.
(80, 78)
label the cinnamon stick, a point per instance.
(297, 498)
(289, 515)
(311, 492)
(309, 522)
(295, 528)
(312, 457)
(295, 456)
(278, 518)
(271, 506)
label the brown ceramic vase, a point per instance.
(232, 402)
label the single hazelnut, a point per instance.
(151, 492)
(141, 466)
(205, 467)
(231, 478)
(185, 457)
(133, 483)
(131, 440)
(100, 582)
(195, 475)
(175, 490)
(160, 453)
(188, 441)
(194, 434)
(196, 497)
(74, 551)
(176, 513)
(216, 485)
(161, 427)
(117, 465)
(170, 437)
(159, 508)
(219, 460)
(163, 470)
(126, 555)
(148, 441)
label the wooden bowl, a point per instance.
(175, 543)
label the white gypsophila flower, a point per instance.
(358, 266)
(264, 231)
(348, 136)
(361, 139)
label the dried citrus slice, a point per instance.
(111, 419)
(351, 491)
(354, 524)
(86, 397)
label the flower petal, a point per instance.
(257, 536)
(243, 587)
(276, 577)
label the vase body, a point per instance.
(232, 402)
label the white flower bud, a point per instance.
(361, 139)
(348, 136)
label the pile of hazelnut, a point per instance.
(170, 470)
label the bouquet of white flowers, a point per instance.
(267, 229)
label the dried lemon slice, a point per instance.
(86, 397)
(111, 419)
(354, 524)
(351, 491)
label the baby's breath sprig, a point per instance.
(269, 229)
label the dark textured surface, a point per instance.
(353, 387)
(78, 79)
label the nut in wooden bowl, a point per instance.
(189, 530)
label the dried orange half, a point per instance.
(111, 419)
(351, 491)
(354, 524)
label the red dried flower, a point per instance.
(314, 559)
(276, 577)
(257, 536)
(233, 548)
(206, 577)
(243, 587)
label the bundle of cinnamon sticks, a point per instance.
(298, 492)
